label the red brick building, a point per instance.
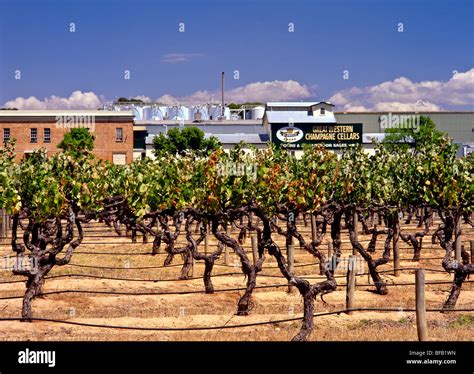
(33, 130)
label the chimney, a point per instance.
(222, 84)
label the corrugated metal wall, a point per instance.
(458, 125)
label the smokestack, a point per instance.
(222, 84)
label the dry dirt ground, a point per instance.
(217, 310)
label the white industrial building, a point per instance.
(194, 113)
(288, 124)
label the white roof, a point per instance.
(52, 113)
(368, 136)
(299, 117)
(227, 138)
(237, 138)
(296, 103)
(292, 103)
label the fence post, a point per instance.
(254, 249)
(350, 280)
(472, 251)
(3, 227)
(396, 246)
(313, 228)
(356, 230)
(206, 240)
(421, 325)
(291, 259)
(457, 241)
(226, 248)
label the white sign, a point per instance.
(289, 134)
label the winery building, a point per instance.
(33, 130)
(293, 124)
(124, 133)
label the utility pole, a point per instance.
(222, 93)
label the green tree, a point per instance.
(179, 141)
(77, 142)
(238, 106)
(417, 136)
(131, 100)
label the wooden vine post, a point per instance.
(421, 325)
(351, 282)
(291, 260)
(396, 246)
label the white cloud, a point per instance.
(258, 91)
(404, 94)
(270, 91)
(406, 107)
(77, 100)
(167, 100)
(179, 57)
(401, 94)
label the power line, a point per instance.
(124, 268)
(243, 325)
(146, 293)
(215, 275)
(195, 291)
(122, 279)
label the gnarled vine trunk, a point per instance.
(250, 270)
(45, 240)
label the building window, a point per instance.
(119, 158)
(47, 135)
(323, 111)
(33, 135)
(6, 135)
(119, 135)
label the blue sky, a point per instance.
(249, 36)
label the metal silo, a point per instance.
(164, 111)
(227, 113)
(156, 114)
(186, 113)
(214, 112)
(190, 111)
(173, 112)
(137, 113)
(200, 113)
(147, 113)
(257, 112)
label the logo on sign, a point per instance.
(289, 134)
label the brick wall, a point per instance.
(105, 145)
